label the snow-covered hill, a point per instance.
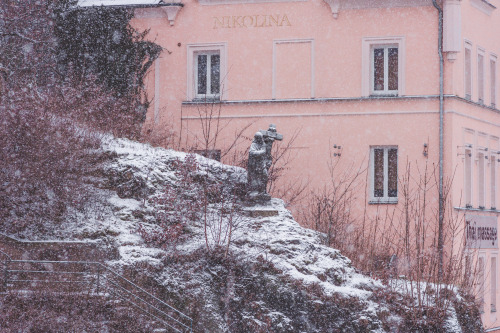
(275, 276)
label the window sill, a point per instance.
(388, 94)
(204, 100)
(383, 202)
(492, 210)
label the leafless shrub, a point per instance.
(190, 200)
(50, 123)
(398, 243)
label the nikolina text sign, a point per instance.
(481, 232)
(251, 21)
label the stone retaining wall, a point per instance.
(57, 250)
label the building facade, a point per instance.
(357, 82)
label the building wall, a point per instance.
(307, 70)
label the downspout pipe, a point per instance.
(440, 246)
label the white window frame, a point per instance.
(493, 80)
(468, 162)
(481, 280)
(493, 282)
(385, 198)
(368, 45)
(481, 178)
(493, 180)
(193, 50)
(468, 94)
(481, 77)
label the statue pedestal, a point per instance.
(259, 211)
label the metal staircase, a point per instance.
(92, 278)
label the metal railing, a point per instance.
(92, 278)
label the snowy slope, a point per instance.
(275, 277)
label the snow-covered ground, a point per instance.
(134, 173)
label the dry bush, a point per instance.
(49, 312)
(51, 122)
(194, 198)
(398, 243)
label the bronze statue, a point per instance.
(259, 163)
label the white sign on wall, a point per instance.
(481, 232)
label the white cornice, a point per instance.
(337, 5)
(235, 2)
(483, 5)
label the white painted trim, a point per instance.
(192, 49)
(473, 118)
(468, 46)
(361, 4)
(480, 52)
(334, 7)
(286, 115)
(366, 64)
(385, 199)
(468, 146)
(483, 5)
(236, 2)
(493, 164)
(493, 83)
(293, 41)
(452, 27)
(481, 187)
(481, 284)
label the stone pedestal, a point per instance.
(260, 211)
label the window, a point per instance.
(480, 283)
(206, 70)
(480, 76)
(207, 67)
(480, 179)
(493, 181)
(493, 284)
(384, 174)
(468, 70)
(384, 70)
(383, 60)
(493, 81)
(468, 177)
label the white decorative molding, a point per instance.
(334, 6)
(190, 71)
(367, 44)
(161, 11)
(451, 56)
(452, 27)
(483, 5)
(235, 2)
(290, 41)
(171, 12)
(361, 4)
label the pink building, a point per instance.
(360, 74)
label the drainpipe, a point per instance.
(441, 150)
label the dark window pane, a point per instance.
(480, 78)
(215, 74)
(393, 69)
(202, 74)
(468, 74)
(493, 86)
(468, 179)
(378, 69)
(378, 164)
(392, 173)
